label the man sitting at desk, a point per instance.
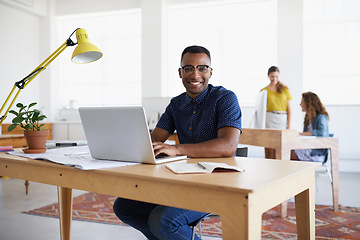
(208, 123)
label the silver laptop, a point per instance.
(120, 133)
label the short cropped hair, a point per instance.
(195, 49)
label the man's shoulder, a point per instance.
(219, 93)
(178, 97)
(182, 95)
(219, 90)
(178, 100)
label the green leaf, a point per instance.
(28, 127)
(12, 127)
(13, 112)
(17, 120)
(22, 108)
(35, 116)
(32, 104)
(19, 105)
(42, 117)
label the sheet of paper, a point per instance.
(302, 136)
(78, 157)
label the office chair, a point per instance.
(326, 159)
(240, 152)
(326, 167)
(327, 170)
(197, 223)
(323, 164)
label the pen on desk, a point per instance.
(53, 144)
(199, 164)
(66, 144)
(76, 154)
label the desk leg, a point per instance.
(282, 155)
(65, 211)
(335, 177)
(241, 223)
(305, 214)
(283, 209)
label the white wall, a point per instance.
(20, 50)
(69, 7)
(290, 46)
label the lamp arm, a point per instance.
(25, 81)
(20, 84)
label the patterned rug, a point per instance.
(344, 224)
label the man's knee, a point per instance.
(117, 206)
(122, 207)
(158, 222)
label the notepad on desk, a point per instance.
(202, 167)
(6, 148)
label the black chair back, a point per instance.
(242, 152)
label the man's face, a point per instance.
(195, 82)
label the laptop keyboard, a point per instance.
(161, 156)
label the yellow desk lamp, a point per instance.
(85, 52)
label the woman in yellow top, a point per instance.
(278, 111)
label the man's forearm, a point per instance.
(213, 148)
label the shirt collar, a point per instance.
(200, 97)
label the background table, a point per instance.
(283, 141)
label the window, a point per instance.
(240, 35)
(332, 50)
(116, 78)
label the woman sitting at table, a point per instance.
(315, 124)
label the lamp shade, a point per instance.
(85, 52)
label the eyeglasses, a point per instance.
(189, 69)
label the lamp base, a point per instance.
(33, 151)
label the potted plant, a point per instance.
(29, 119)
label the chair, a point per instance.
(323, 164)
(326, 167)
(197, 223)
(240, 152)
(326, 159)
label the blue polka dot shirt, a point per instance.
(198, 120)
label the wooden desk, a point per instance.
(239, 198)
(283, 141)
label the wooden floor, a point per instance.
(19, 226)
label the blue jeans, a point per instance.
(157, 222)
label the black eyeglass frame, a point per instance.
(198, 67)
